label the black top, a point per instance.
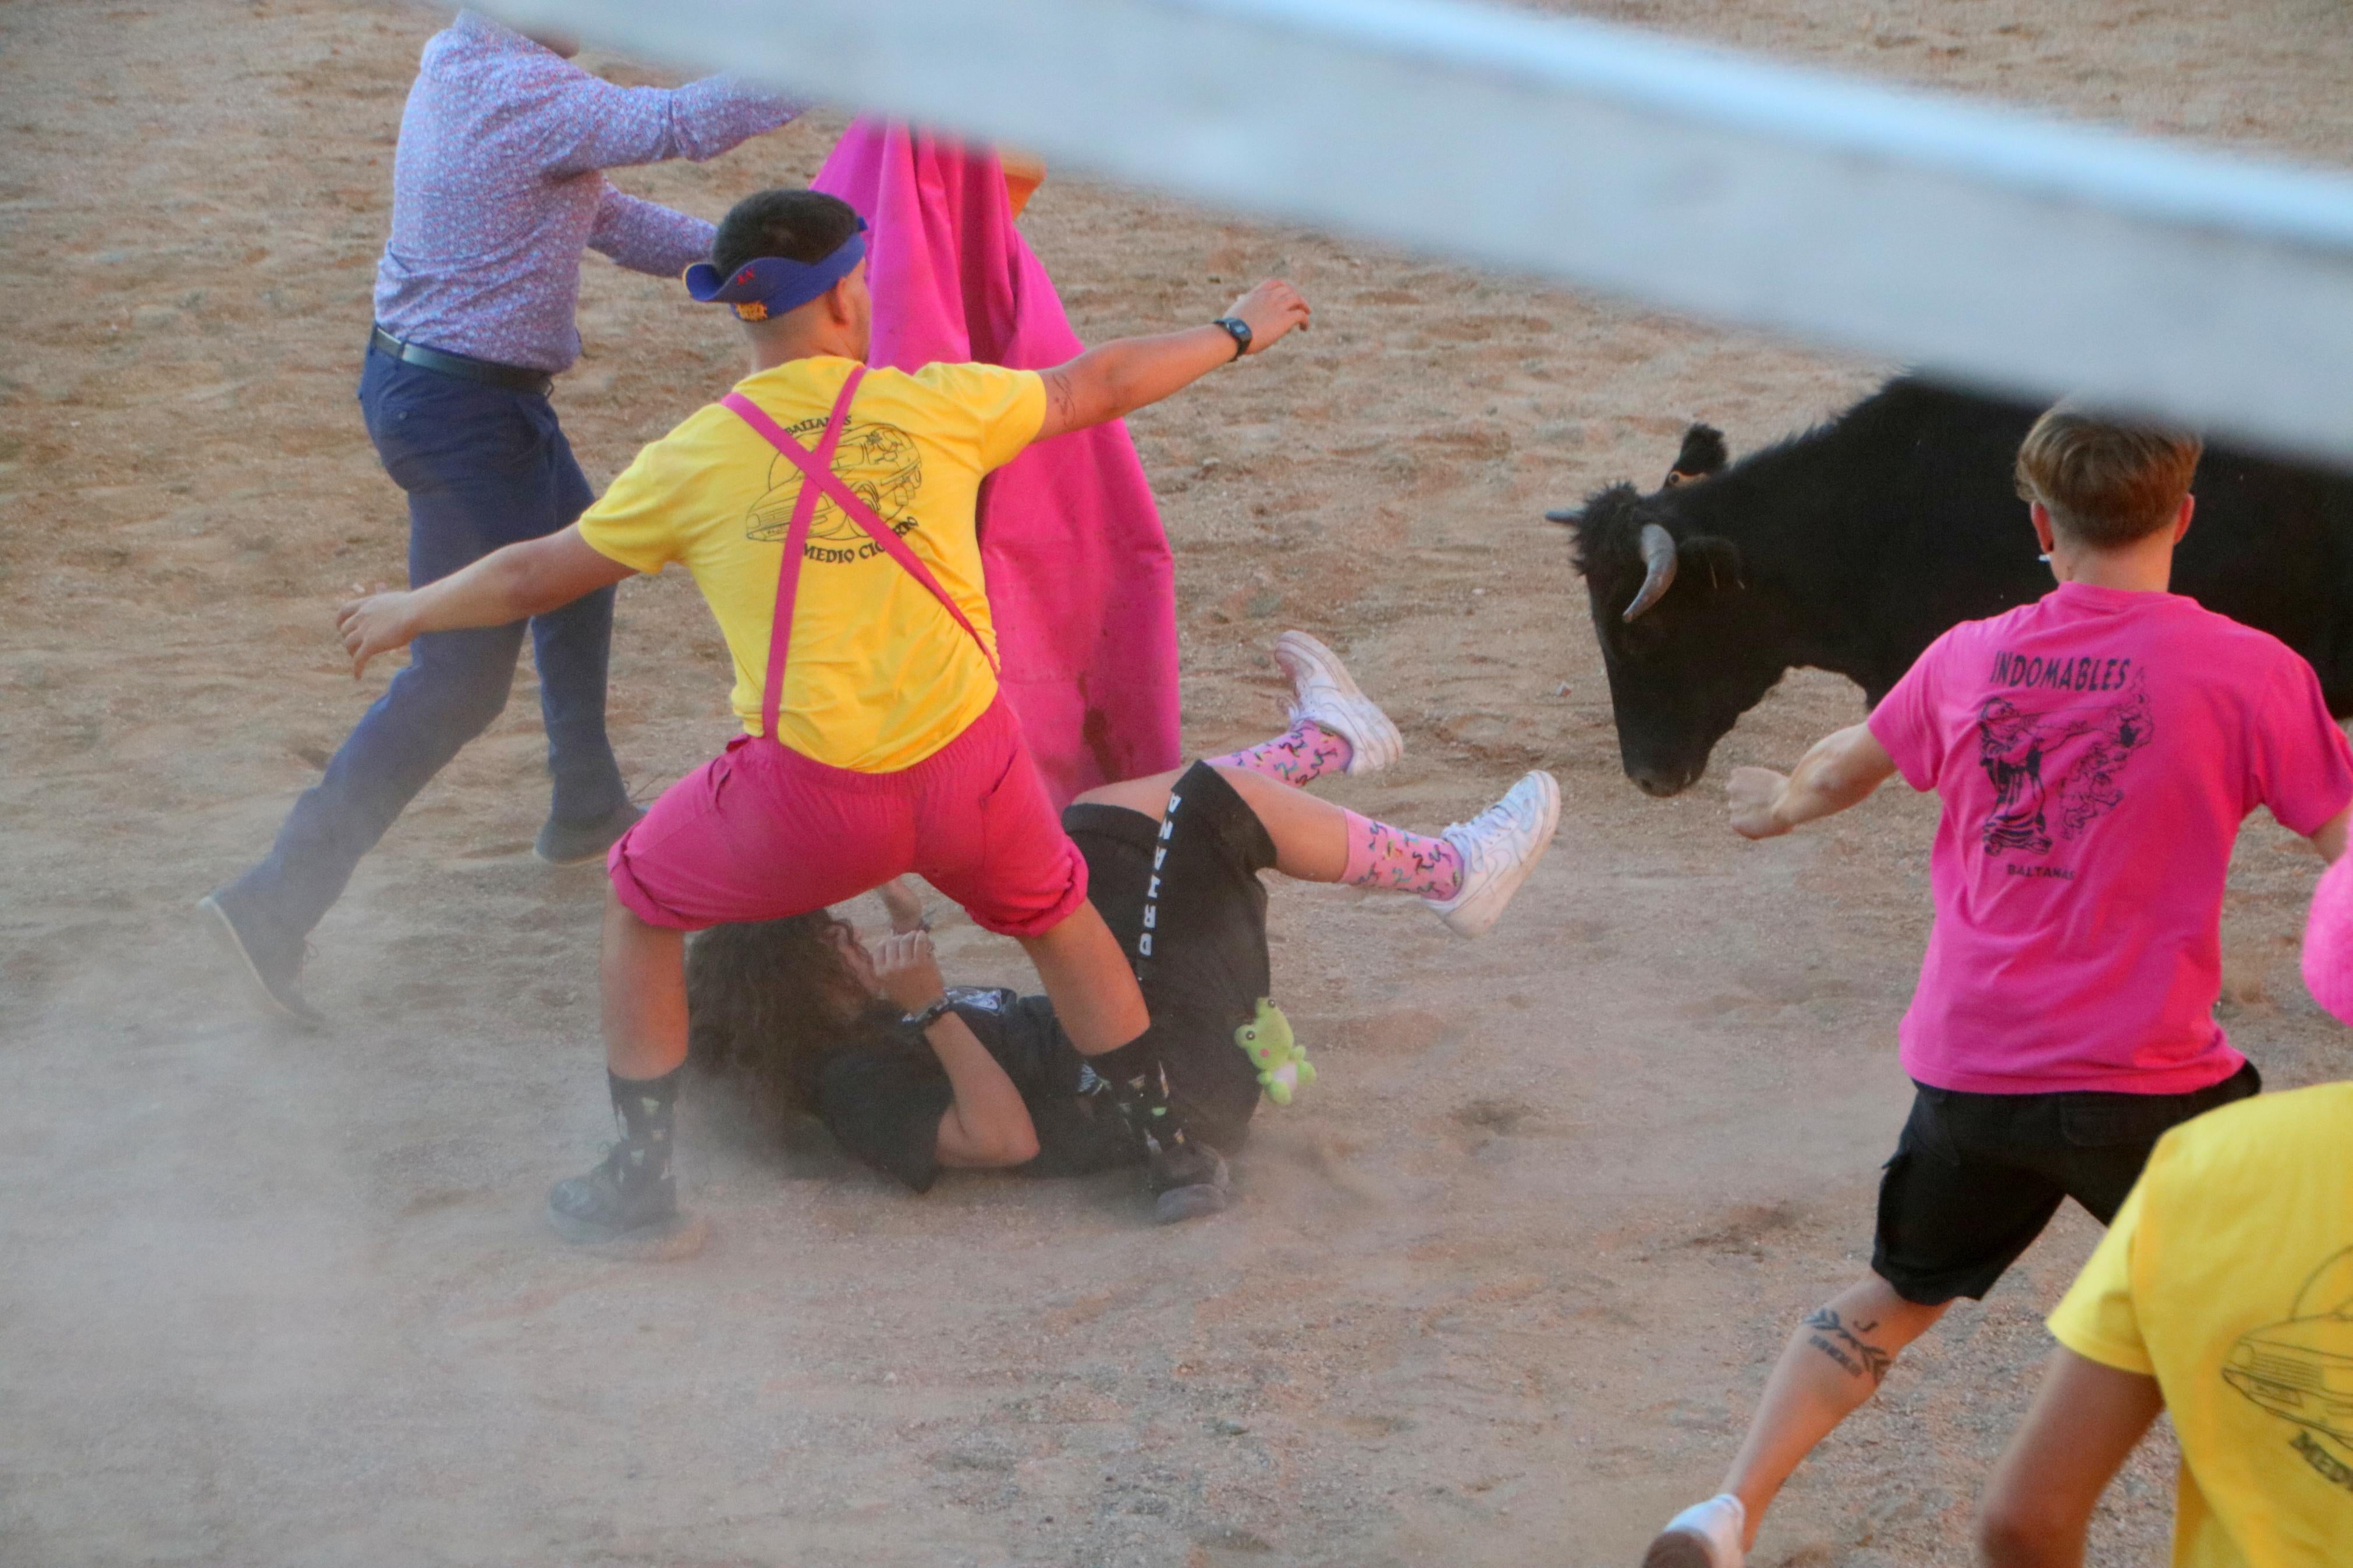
(1207, 970)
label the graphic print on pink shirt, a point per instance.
(2095, 753)
(2022, 751)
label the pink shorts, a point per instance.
(760, 832)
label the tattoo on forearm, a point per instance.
(1058, 393)
(1847, 1346)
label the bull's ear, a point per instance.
(1703, 452)
(1714, 560)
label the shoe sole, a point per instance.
(1179, 1204)
(679, 1236)
(225, 936)
(1678, 1549)
(1380, 750)
(539, 847)
(1497, 895)
(594, 856)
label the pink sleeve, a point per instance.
(2328, 940)
(1906, 720)
(2303, 769)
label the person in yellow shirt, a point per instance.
(826, 512)
(2223, 1295)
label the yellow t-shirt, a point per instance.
(879, 676)
(2228, 1276)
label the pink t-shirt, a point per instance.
(2095, 753)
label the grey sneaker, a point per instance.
(578, 843)
(1499, 848)
(268, 968)
(1324, 691)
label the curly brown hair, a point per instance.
(767, 1003)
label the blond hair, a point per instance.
(2106, 482)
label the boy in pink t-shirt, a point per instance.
(2095, 753)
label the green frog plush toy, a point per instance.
(1282, 1066)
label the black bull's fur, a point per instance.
(1850, 547)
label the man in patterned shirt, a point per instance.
(497, 188)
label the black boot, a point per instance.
(1188, 1177)
(631, 1191)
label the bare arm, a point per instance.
(509, 584)
(2329, 837)
(1116, 379)
(988, 1125)
(2084, 1420)
(1839, 771)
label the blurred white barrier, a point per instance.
(1988, 244)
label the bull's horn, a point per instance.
(1658, 568)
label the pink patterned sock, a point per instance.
(1389, 857)
(1300, 757)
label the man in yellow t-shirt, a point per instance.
(827, 513)
(2223, 1295)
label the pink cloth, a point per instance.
(1080, 579)
(2095, 753)
(2328, 940)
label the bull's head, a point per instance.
(1681, 637)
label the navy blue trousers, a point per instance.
(483, 466)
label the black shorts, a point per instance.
(1209, 963)
(1976, 1176)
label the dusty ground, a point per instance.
(1502, 1288)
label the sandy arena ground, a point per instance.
(1501, 1291)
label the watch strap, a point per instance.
(931, 1014)
(1237, 329)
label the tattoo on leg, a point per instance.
(1857, 1356)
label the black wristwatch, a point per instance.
(1237, 329)
(931, 1014)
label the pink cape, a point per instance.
(1080, 580)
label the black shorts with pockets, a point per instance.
(1975, 1177)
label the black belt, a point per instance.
(515, 377)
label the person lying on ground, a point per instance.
(2095, 753)
(2224, 1294)
(913, 1077)
(847, 581)
(497, 185)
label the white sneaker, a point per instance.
(1324, 692)
(1707, 1535)
(1499, 848)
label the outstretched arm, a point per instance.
(509, 584)
(1116, 379)
(1839, 771)
(2084, 1422)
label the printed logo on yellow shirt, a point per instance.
(881, 465)
(2301, 1369)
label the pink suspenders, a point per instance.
(818, 478)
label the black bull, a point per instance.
(1850, 548)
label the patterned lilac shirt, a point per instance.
(496, 188)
